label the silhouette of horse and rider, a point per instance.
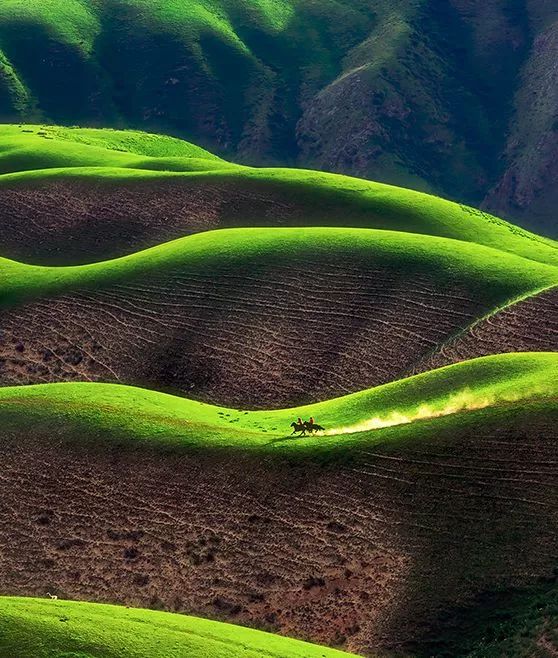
(302, 427)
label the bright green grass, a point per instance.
(157, 418)
(54, 147)
(132, 158)
(494, 277)
(39, 628)
(79, 23)
(129, 141)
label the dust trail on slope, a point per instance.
(465, 400)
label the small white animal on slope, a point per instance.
(53, 597)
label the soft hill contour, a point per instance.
(436, 96)
(83, 195)
(484, 383)
(215, 315)
(335, 538)
(38, 628)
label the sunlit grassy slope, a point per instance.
(36, 137)
(50, 154)
(494, 276)
(157, 418)
(40, 628)
(411, 92)
(30, 148)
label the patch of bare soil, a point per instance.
(269, 336)
(366, 550)
(547, 646)
(74, 222)
(530, 325)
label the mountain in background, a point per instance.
(455, 97)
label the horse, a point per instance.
(306, 427)
(313, 427)
(299, 427)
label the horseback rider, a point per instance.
(311, 421)
(299, 426)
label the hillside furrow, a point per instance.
(270, 340)
(529, 324)
(341, 553)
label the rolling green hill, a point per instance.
(38, 628)
(409, 94)
(231, 316)
(32, 141)
(168, 309)
(200, 68)
(485, 383)
(32, 148)
(50, 171)
(495, 275)
(335, 538)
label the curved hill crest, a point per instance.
(217, 315)
(145, 280)
(448, 98)
(77, 199)
(333, 538)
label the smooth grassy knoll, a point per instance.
(495, 276)
(46, 628)
(487, 383)
(31, 148)
(34, 156)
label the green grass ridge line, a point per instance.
(34, 155)
(493, 382)
(45, 628)
(495, 276)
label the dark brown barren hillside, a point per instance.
(367, 549)
(528, 325)
(66, 220)
(74, 222)
(273, 335)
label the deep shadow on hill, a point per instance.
(256, 318)
(505, 622)
(371, 548)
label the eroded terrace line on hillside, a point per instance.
(465, 331)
